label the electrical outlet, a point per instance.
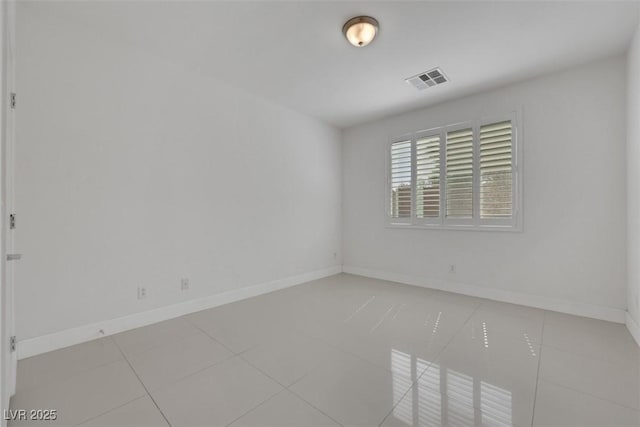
(184, 284)
(142, 293)
(452, 268)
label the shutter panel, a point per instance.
(496, 175)
(428, 177)
(459, 155)
(400, 180)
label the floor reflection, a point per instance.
(444, 396)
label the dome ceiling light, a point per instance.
(361, 30)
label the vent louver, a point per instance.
(427, 79)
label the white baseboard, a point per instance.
(632, 326)
(579, 309)
(68, 337)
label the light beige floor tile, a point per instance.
(505, 322)
(513, 310)
(352, 391)
(141, 412)
(371, 314)
(476, 371)
(618, 383)
(486, 354)
(416, 320)
(330, 331)
(284, 410)
(384, 352)
(425, 406)
(457, 299)
(170, 362)
(560, 406)
(425, 317)
(601, 340)
(289, 359)
(243, 328)
(215, 396)
(61, 364)
(148, 337)
(84, 395)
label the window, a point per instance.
(428, 177)
(496, 170)
(459, 176)
(401, 166)
(459, 166)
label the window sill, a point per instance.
(484, 227)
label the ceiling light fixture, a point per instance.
(361, 30)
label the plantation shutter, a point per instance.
(400, 180)
(428, 177)
(496, 180)
(459, 167)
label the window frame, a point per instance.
(442, 222)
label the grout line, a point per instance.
(213, 338)
(83, 371)
(108, 411)
(74, 374)
(262, 372)
(181, 339)
(233, 356)
(153, 346)
(589, 394)
(588, 356)
(302, 335)
(256, 407)
(415, 382)
(288, 388)
(575, 390)
(315, 407)
(143, 385)
(284, 388)
(535, 392)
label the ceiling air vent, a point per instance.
(427, 79)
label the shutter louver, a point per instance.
(459, 166)
(401, 180)
(428, 177)
(496, 150)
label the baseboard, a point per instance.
(579, 309)
(68, 337)
(632, 326)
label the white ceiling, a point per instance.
(294, 53)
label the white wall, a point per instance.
(633, 186)
(134, 172)
(571, 255)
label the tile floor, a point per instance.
(350, 351)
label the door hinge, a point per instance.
(12, 221)
(12, 100)
(12, 343)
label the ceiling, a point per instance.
(293, 52)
